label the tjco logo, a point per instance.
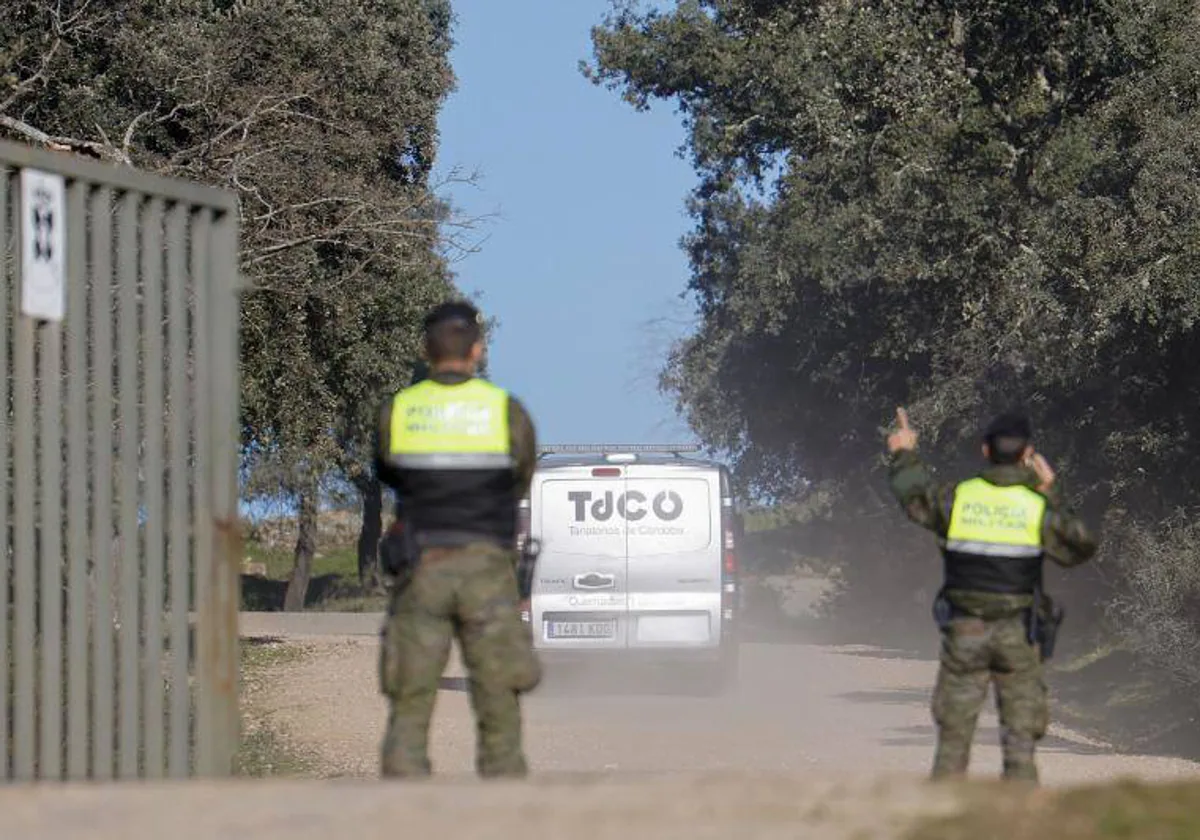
(631, 506)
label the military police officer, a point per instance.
(460, 454)
(997, 625)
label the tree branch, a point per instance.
(34, 134)
(24, 86)
(100, 151)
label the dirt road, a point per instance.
(816, 742)
(797, 708)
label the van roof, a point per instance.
(616, 456)
(558, 457)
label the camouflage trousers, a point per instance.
(975, 653)
(468, 592)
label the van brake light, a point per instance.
(729, 567)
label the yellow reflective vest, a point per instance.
(450, 447)
(993, 521)
(450, 427)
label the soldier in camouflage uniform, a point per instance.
(995, 531)
(460, 454)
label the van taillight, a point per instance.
(606, 472)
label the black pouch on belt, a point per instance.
(399, 555)
(527, 557)
(1042, 621)
(943, 611)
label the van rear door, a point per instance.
(674, 567)
(579, 599)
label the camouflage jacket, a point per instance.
(1065, 537)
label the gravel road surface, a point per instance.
(796, 708)
(817, 742)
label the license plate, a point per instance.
(580, 629)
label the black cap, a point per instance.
(458, 310)
(1011, 425)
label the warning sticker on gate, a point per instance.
(43, 245)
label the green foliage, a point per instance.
(322, 117)
(958, 207)
(1156, 613)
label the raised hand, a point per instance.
(1045, 473)
(905, 437)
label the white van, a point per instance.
(638, 557)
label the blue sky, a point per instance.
(579, 258)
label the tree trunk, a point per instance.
(306, 548)
(369, 533)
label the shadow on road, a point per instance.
(262, 641)
(454, 684)
(924, 736)
(595, 685)
(888, 696)
(887, 653)
(847, 638)
(265, 595)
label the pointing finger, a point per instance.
(902, 418)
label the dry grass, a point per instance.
(263, 751)
(1120, 811)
